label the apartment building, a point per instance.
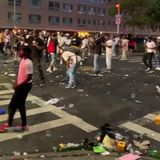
(86, 15)
(66, 15)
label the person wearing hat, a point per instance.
(21, 88)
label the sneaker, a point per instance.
(147, 69)
(158, 89)
(70, 86)
(55, 69)
(150, 71)
(157, 68)
(100, 75)
(49, 70)
(73, 86)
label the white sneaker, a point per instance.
(55, 69)
(158, 68)
(49, 70)
(158, 89)
(148, 69)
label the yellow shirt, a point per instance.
(1, 37)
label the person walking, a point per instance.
(37, 53)
(21, 88)
(97, 54)
(150, 51)
(51, 48)
(109, 53)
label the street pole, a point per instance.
(118, 18)
(14, 14)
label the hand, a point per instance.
(14, 86)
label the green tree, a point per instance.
(154, 15)
(135, 12)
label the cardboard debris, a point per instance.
(157, 120)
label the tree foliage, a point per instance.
(140, 13)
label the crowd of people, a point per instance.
(29, 47)
(73, 50)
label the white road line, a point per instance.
(6, 91)
(78, 122)
(141, 130)
(34, 129)
(30, 112)
(6, 102)
(65, 118)
(150, 116)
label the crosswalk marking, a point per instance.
(30, 112)
(141, 130)
(64, 117)
(150, 116)
(35, 128)
(6, 102)
(6, 91)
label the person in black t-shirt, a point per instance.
(37, 52)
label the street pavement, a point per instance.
(125, 98)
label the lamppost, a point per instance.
(14, 13)
(118, 17)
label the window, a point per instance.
(54, 6)
(101, 11)
(81, 22)
(94, 22)
(101, 1)
(35, 3)
(81, 9)
(67, 7)
(67, 20)
(92, 11)
(35, 19)
(53, 20)
(17, 18)
(17, 2)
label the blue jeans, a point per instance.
(71, 73)
(157, 59)
(95, 62)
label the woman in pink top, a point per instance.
(21, 89)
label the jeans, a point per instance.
(147, 60)
(18, 102)
(71, 73)
(157, 59)
(95, 62)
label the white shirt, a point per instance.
(84, 43)
(71, 57)
(150, 47)
(109, 49)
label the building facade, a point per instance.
(66, 15)
(85, 15)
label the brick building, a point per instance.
(67, 15)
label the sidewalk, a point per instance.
(72, 155)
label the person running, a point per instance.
(21, 89)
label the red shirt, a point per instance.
(51, 47)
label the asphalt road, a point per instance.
(121, 98)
